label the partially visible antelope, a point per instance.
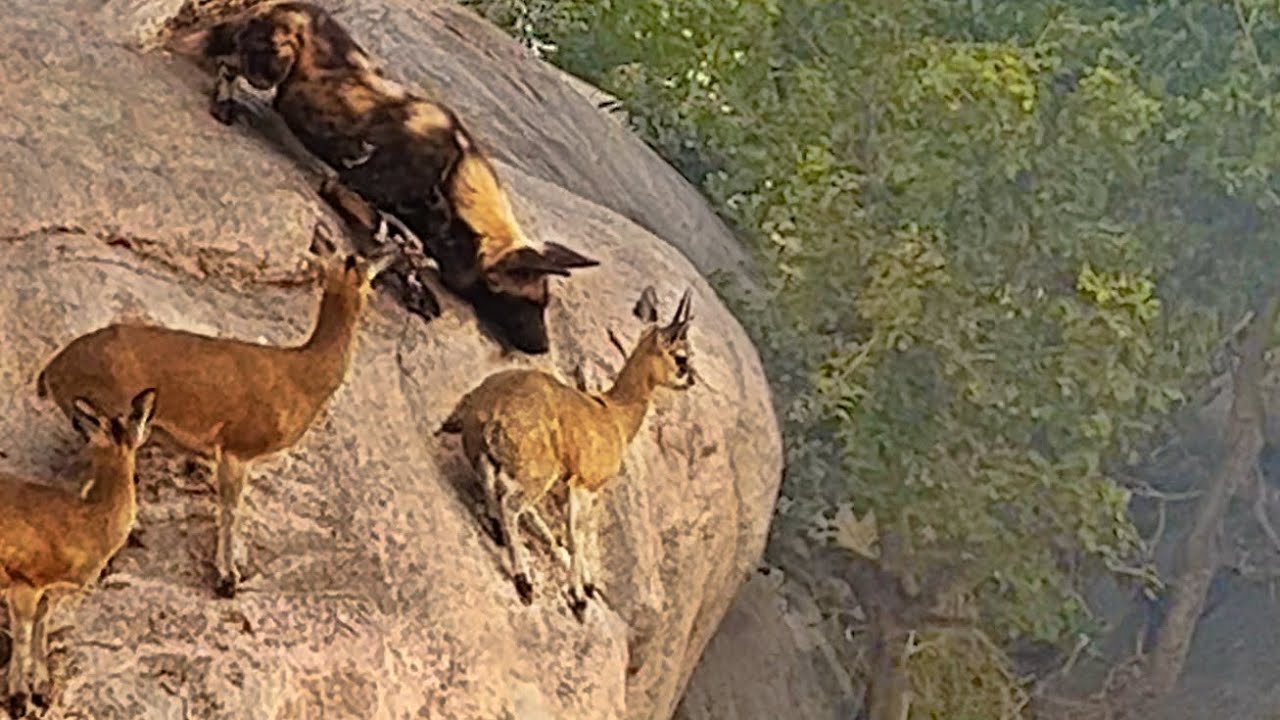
(53, 539)
(524, 430)
(228, 401)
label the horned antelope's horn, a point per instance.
(680, 321)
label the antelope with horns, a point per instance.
(227, 401)
(397, 150)
(52, 539)
(523, 431)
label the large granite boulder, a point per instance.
(372, 592)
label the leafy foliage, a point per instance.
(999, 243)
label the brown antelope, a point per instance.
(52, 539)
(524, 431)
(406, 155)
(228, 401)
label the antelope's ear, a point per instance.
(646, 308)
(87, 421)
(143, 406)
(142, 410)
(566, 258)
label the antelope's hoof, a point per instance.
(524, 589)
(224, 111)
(17, 705)
(579, 607)
(225, 588)
(589, 589)
(40, 700)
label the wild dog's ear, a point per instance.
(87, 421)
(646, 308)
(192, 43)
(217, 40)
(553, 259)
(566, 258)
(526, 262)
(678, 329)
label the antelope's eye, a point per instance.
(682, 363)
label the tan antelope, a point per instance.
(227, 401)
(53, 539)
(524, 430)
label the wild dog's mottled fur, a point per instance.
(226, 400)
(405, 154)
(52, 539)
(524, 431)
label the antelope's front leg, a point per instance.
(231, 478)
(540, 527)
(224, 107)
(579, 509)
(41, 683)
(23, 601)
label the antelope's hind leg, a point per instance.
(231, 479)
(511, 504)
(493, 517)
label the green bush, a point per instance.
(999, 241)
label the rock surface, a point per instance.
(769, 659)
(372, 591)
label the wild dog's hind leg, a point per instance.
(231, 477)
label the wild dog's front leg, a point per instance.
(224, 106)
(231, 478)
(403, 280)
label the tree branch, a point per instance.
(1200, 558)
